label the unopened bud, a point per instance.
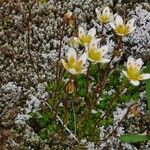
(67, 15)
(135, 111)
(119, 53)
(70, 86)
(70, 19)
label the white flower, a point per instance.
(73, 42)
(121, 28)
(134, 71)
(74, 64)
(83, 38)
(105, 16)
(95, 54)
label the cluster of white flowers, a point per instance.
(44, 44)
(96, 54)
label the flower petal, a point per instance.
(139, 63)
(105, 60)
(118, 20)
(86, 48)
(135, 82)
(72, 53)
(120, 34)
(112, 24)
(132, 29)
(76, 39)
(93, 44)
(90, 59)
(125, 73)
(92, 32)
(130, 61)
(103, 49)
(83, 57)
(106, 11)
(130, 23)
(97, 11)
(144, 76)
(64, 64)
(84, 71)
(72, 71)
(81, 32)
(111, 17)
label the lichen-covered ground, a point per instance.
(28, 50)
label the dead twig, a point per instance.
(66, 128)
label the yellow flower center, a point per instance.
(133, 73)
(94, 55)
(104, 18)
(122, 29)
(73, 64)
(85, 39)
(78, 66)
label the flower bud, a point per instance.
(70, 19)
(67, 15)
(135, 111)
(70, 86)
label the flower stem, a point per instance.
(66, 128)
(101, 83)
(123, 118)
(114, 98)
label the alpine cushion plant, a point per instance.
(74, 64)
(93, 90)
(85, 38)
(96, 54)
(121, 28)
(133, 72)
(105, 17)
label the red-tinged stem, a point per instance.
(101, 83)
(115, 129)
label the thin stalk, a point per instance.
(59, 52)
(121, 89)
(75, 119)
(87, 80)
(115, 129)
(28, 45)
(58, 61)
(114, 98)
(101, 83)
(66, 110)
(66, 128)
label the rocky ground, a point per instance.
(29, 39)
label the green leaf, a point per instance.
(134, 138)
(44, 120)
(51, 128)
(148, 86)
(44, 134)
